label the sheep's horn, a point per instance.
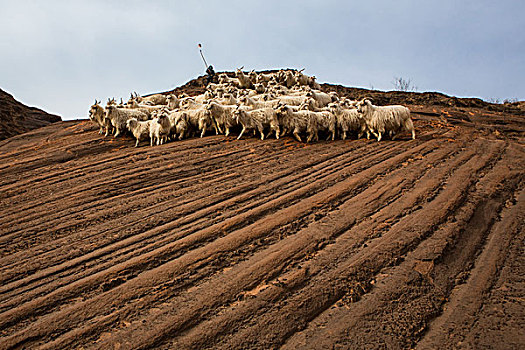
(241, 68)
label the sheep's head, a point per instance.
(130, 123)
(237, 113)
(110, 109)
(281, 109)
(363, 105)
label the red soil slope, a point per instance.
(225, 244)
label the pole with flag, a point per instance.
(200, 50)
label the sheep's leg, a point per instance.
(310, 137)
(378, 136)
(296, 134)
(227, 131)
(262, 133)
(204, 130)
(277, 134)
(242, 131)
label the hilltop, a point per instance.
(218, 243)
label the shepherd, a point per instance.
(209, 68)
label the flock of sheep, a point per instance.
(280, 103)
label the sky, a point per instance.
(61, 55)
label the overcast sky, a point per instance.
(61, 55)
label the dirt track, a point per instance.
(219, 243)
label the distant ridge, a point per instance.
(17, 118)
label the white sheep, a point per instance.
(259, 88)
(288, 120)
(223, 116)
(173, 101)
(253, 76)
(144, 108)
(192, 118)
(188, 103)
(244, 80)
(322, 98)
(257, 120)
(292, 100)
(155, 99)
(119, 116)
(381, 119)
(96, 114)
(323, 121)
(348, 119)
(207, 123)
(253, 103)
(139, 129)
(159, 129)
(225, 79)
(290, 79)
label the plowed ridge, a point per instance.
(219, 243)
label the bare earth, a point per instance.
(226, 244)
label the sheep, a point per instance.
(306, 80)
(322, 98)
(193, 116)
(203, 97)
(206, 123)
(96, 114)
(259, 88)
(154, 100)
(310, 105)
(348, 120)
(292, 100)
(173, 101)
(225, 79)
(181, 126)
(223, 116)
(290, 79)
(349, 103)
(159, 129)
(119, 116)
(139, 129)
(380, 119)
(252, 76)
(320, 121)
(252, 103)
(244, 80)
(264, 79)
(188, 103)
(286, 119)
(227, 99)
(256, 119)
(143, 108)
